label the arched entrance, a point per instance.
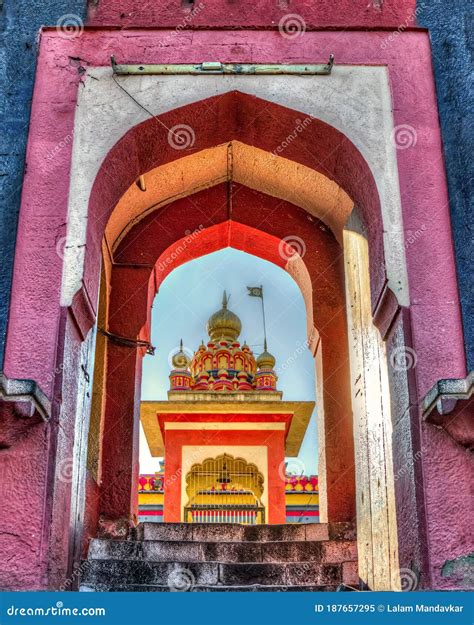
(141, 245)
(44, 338)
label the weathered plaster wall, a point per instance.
(19, 26)
(249, 13)
(451, 30)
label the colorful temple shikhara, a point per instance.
(224, 433)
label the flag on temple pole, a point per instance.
(255, 291)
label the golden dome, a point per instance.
(224, 324)
(180, 360)
(266, 360)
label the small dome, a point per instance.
(224, 324)
(266, 360)
(180, 360)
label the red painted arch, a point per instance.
(259, 223)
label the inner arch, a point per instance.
(233, 161)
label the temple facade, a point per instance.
(301, 499)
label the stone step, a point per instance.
(329, 552)
(248, 588)
(185, 576)
(229, 532)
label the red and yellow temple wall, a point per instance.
(301, 498)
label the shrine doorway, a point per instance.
(225, 489)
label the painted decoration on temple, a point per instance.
(234, 484)
(224, 364)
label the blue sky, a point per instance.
(192, 292)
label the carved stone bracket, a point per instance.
(449, 404)
(26, 396)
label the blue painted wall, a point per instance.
(451, 25)
(20, 21)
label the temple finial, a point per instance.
(225, 300)
(265, 344)
(181, 345)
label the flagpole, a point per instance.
(264, 324)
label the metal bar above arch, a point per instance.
(215, 67)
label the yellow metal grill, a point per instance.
(224, 490)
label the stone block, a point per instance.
(226, 532)
(316, 531)
(312, 573)
(173, 551)
(123, 573)
(252, 573)
(103, 549)
(339, 551)
(342, 531)
(274, 533)
(350, 574)
(165, 531)
(232, 552)
(297, 551)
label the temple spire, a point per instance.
(224, 324)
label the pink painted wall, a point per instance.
(23, 536)
(449, 476)
(248, 13)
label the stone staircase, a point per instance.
(194, 557)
